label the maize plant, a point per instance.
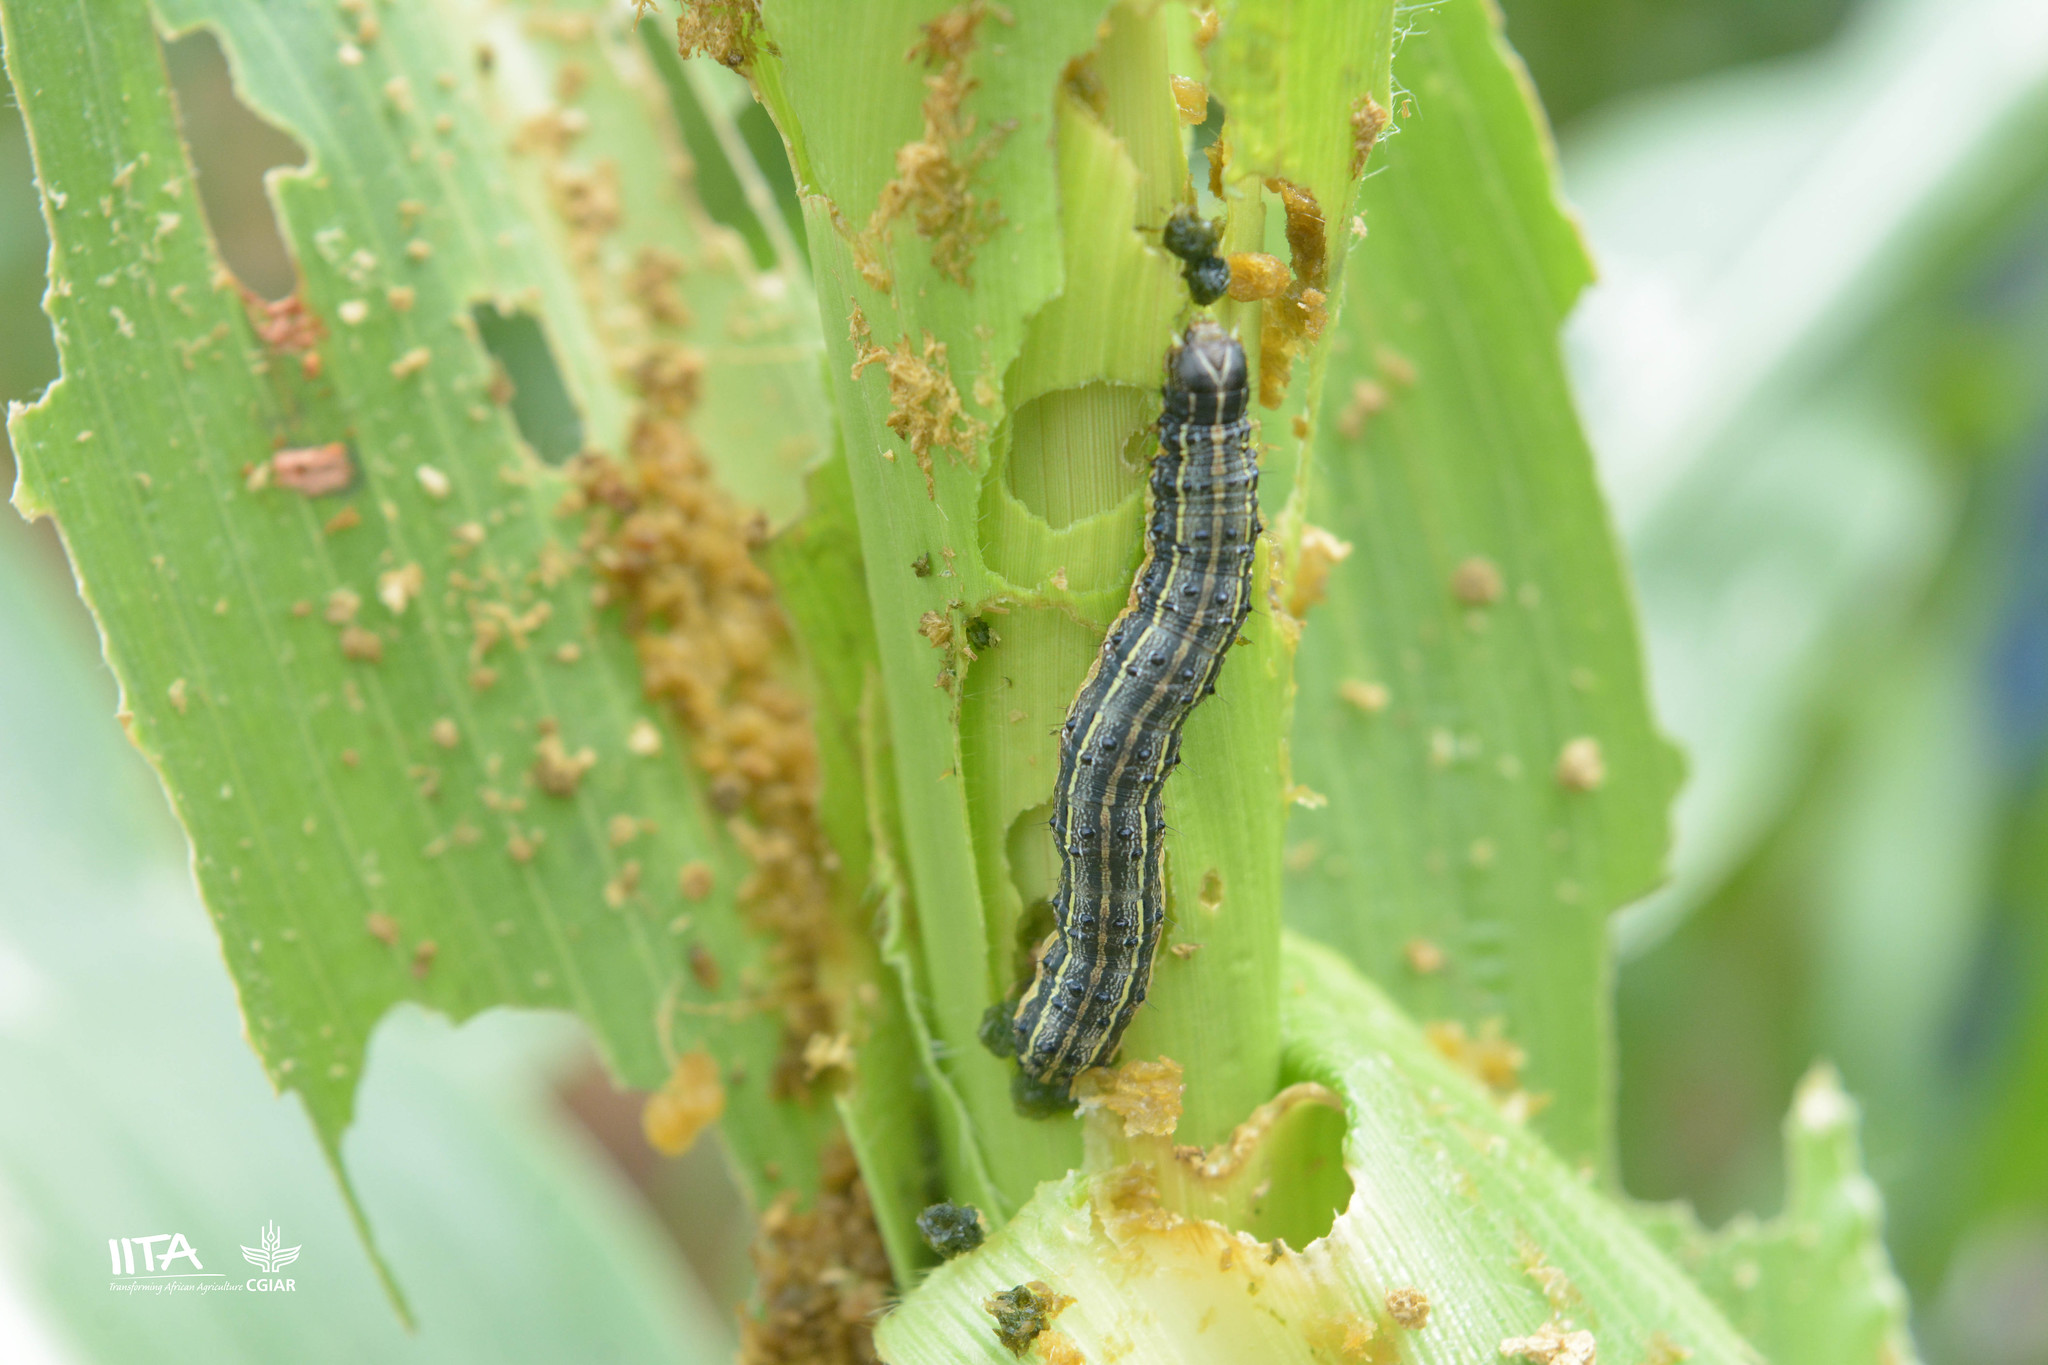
(725, 708)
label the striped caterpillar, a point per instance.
(1122, 735)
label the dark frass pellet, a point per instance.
(1023, 1312)
(1208, 279)
(951, 1229)
(995, 1032)
(1189, 236)
(1033, 1098)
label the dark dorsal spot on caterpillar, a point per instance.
(1122, 735)
(1194, 239)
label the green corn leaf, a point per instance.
(817, 564)
(1000, 363)
(846, 85)
(1471, 693)
(513, 1239)
(1812, 1285)
(306, 673)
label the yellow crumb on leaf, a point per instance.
(364, 646)
(1425, 958)
(1369, 697)
(1254, 276)
(1366, 399)
(1368, 120)
(1476, 582)
(1320, 553)
(1488, 1056)
(689, 1101)
(827, 1052)
(1580, 765)
(1551, 1344)
(695, 880)
(1057, 1348)
(1145, 1095)
(1346, 1336)
(924, 406)
(556, 770)
(1409, 1307)
(397, 587)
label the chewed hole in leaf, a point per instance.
(1305, 1205)
(530, 382)
(1281, 1173)
(232, 148)
(1077, 452)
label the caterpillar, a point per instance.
(1122, 735)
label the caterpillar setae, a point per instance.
(1122, 735)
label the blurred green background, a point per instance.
(1816, 373)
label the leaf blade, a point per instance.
(1482, 625)
(334, 785)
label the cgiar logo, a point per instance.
(270, 1257)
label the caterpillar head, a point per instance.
(1207, 359)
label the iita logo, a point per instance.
(155, 1264)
